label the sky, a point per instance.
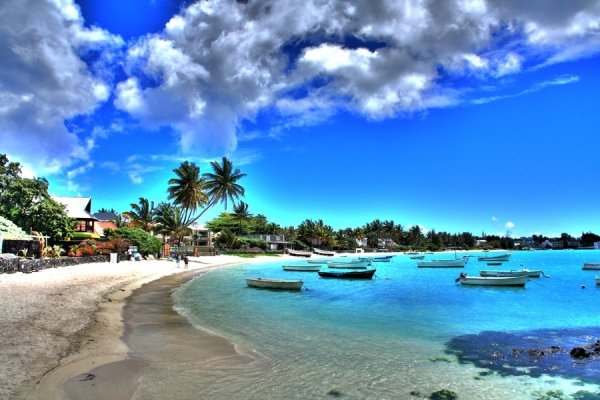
(454, 115)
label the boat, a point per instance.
(517, 281)
(458, 263)
(318, 261)
(598, 280)
(366, 274)
(299, 253)
(302, 268)
(278, 284)
(419, 257)
(382, 258)
(499, 257)
(324, 252)
(532, 273)
(587, 265)
(495, 263)
(358, 264)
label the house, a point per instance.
(80, 208)
(201, 235)
(480, 243)
(275, 242)
(105, 220)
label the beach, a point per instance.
(62, 322)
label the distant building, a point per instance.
(202, 236)
(480, 242)
(275, 242)
(105, 220)
(361, 242)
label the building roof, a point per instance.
(77, 207)
(106, 216)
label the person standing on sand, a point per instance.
(185, 261)
(177, 260)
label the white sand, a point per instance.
(44, 314)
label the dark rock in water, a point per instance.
(443, 395)
(580, 352)
(533, 353)
(334, 393)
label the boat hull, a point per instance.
(460, 263)
(368, 274)
(503, 257)
(324, 252)
(532, 273)
(302, 268)
(598, 280)
(349, 265)
(298, 253)
(276, 284)
(592, 266)
(507, 281)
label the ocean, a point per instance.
(406, 334)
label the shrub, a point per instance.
(145, 242)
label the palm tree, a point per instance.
(141, 215)
(169, 221)
(186, 190)
(221, 185)
(241, 214)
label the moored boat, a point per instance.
(499, 257)
(532, 273)
(417, 257)
(358, 264)
(587, 265)
(324, 252)
(458, 263)
(598, 280)
(299, 253)
(496, 263)
(318, 261)
(367, 274)
(302, 268)
(279, 284)
(515, 281)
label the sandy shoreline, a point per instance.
(71, 315)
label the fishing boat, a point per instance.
(499, 257)
(278, 284)
(366, 274)
(299, 253)
(587, 265)
(417, 257)
(302, 268)
(324, 252)
(495, 263)
(358, 264)
(458, 263)
(532, 273)
(516, 281)
(382, 258)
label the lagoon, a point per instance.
(406, 334)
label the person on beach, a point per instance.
(185, 261)
(177, 260)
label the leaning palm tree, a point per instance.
(221, 185)
(169, 221)
(141, 215)
(186, 190)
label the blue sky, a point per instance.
(463, 115)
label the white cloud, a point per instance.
(509, 225)
(495, 219)
(44, 82)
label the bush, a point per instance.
(247, 243)
(145, 242)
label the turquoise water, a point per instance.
(388, 337)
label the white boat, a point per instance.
(532, 273)
(302, 268)
(499, 257)
(518, 281)
(324, 252)
(299, 253)
(279, 284)
(318, 261)
(417, 257)
(587, 265)
(358, 264)
(458, 263)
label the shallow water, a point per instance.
(394, 335)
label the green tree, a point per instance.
(241, 214)
(141, 214)
(144, 241)
(221, 184)
(186, 190)
(27, 203)
(169, 221)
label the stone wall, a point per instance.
(33, 247)
(20, 264)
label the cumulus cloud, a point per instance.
(44, 82)
(220, 62)
(509, 225)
